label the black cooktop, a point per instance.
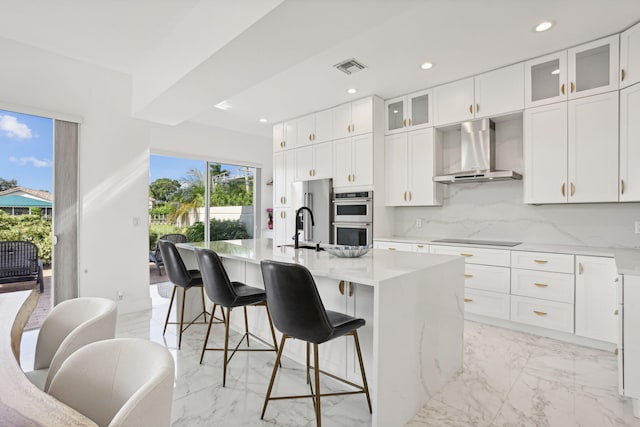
(478, 242)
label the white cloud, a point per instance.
(13, 129)
(38, 163)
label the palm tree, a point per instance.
(190, 197)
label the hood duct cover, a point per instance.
(477, 151)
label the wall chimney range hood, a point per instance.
(477, 149)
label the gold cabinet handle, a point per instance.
(471, 108)
(282, 215)
(540, 261)
(349, 129)
(392, 249)
(468, 300)
(349, 178)
(310, 137)
(563, 186)
(341, 287)
(622, 186)
(466, 255)
(420, 246)
(468, 276)
(622, 75)
(562, 88)
(615, 313)
(580, 268)
(410, 196)
(350, 289)
(405, 196)
(409, 122)
(353, 178)
(309, 172)
(615, 351)
(404, 123)
(477, 108)
(539, 313)
(572, 87)
(573, 189)
(541, 285)
(353, 127)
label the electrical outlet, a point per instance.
(120, 295)
(637, 227)
(419, 223)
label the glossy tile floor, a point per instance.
(509, 379)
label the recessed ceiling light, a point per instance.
(426, 65)
(556, 71)
(544, 26)
(352, 90)
(224, 105)
(263, 120)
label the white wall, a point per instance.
(114, 166)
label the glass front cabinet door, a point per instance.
(593, 67)
(545, 80)
(409, 112)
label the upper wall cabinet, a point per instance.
(630, 144)
(486, 95)
(355, 118)
(314, 128)
(630, 56)
(284, 135)
(585, 70)
(410, 112)
(353, 161)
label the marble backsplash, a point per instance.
(495, 211)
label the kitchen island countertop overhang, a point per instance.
(412, 303)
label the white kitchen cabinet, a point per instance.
(630, 56)
(314, 162)
(631, 339)
(473, 255)
(284, 135)
(283, 225)
(393, 246)
(353, 161)
(410, 112)
(630, 142)
(593, 149)
(571, 151)
(585, 70)
(545, 154)
(454, 102)
(490, 304)
(360, 305)
(499, 92)
(410, 159)
(314, 128)
(595, 302)
(355, 118)
(283, 177)
(542, 313)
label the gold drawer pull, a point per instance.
(539, 313)
(392, 249)
(471, 108)
(420, 246)
(622, 186)
(468, 300)
(563, 185)
(404, 123)
(541, 285)
(572, 87)
(466, 255)
(341, 287)
(562, 88)
(622, 75)
(615, 313)
(468, 276)
(616, 351)
(540, 261)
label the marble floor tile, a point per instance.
(438, 414)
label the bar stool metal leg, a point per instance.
(184, 297)
(316, 369)
(226, 346)
(246, 325)
(166, 322)
(273, 375)
(364, 377)
(204, 307)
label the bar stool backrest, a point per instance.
(294, 302)
(216, 282)
(176, 270)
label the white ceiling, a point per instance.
(273, 58)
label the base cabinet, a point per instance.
(631, 338)
(596, 298)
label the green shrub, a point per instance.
(153, 239)
(31, 228)
(219, 230)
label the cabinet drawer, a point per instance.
(542, 313)
(487, 278)
(543, 284)
(497, 257)
(394, 246)
(485, 303)
(542, 261)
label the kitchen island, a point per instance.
(413, 304)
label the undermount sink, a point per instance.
(301, 247)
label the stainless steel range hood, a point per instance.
(477, 148)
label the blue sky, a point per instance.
(177, 167)
(26, 150)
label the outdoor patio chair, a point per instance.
(19, 262)
(156, 256)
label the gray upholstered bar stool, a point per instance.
(298, 312)
(181, 277)
(230, 295)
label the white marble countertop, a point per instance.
(627, 260)
(370, 269)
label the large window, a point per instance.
(178, 190)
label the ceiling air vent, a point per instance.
(350, 66)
